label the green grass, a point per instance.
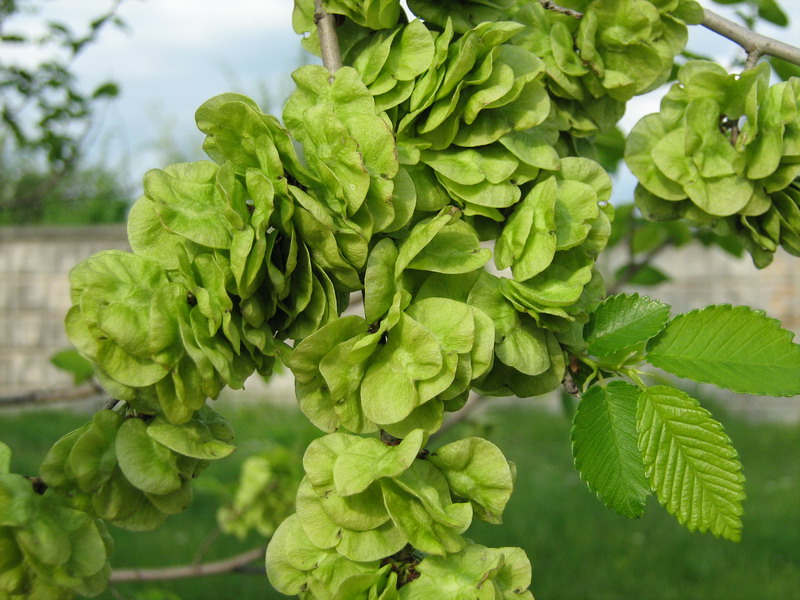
(579, 549)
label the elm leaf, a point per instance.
(690, 462)
(733, 347)
(623, 321)
(604, 444)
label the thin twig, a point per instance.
(205, 546)
(548, 5)
(114, 592)
(633, 269)
(328, 41)
(229, 565)
(750, 40)
(459, 417)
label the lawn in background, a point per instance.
(579, 549)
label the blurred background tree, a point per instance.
(47, 123)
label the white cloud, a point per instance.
(178, 53)
(204, 22)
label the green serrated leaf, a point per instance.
(623, 321)
(604, 444)
(690, 462)
(733, 347)
(642, 274)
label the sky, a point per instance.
(175, 54)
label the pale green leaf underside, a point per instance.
(733, 347)
(604, 444)
(690, 462)
(622, 321)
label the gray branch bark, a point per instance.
(328, 41)
(753, 43)
(228, 565)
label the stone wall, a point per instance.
(702, 276)
(34, 297)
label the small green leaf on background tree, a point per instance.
(644, 275)
(690, 462)
(106, 90)
(733, 347)
(604, 444)
(784, 69)
(623, 321)
(769, 10)
(72, 362)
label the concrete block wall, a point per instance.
(34, 298)
(702, 276)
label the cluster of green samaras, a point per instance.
(48, 550)
(130, 472)
(724, 148)
(133, 472)
(471, 125)
(365, 503)
(265, 493)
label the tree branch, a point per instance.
(753, 43)
(328, 41)
(228, 565)
(47, 396)
(548, 5)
